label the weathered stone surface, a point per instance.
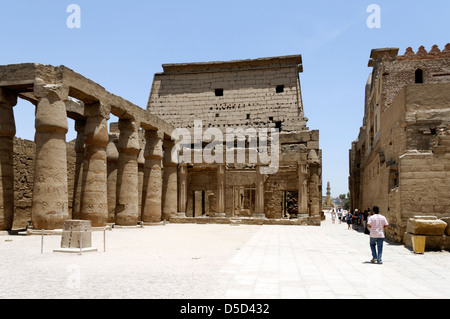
(430, 227)
(50, 189)
(170, 182)
(152, 183)
(127, 206)
(73, 230)
(447, 221)
(7, 132)
(400, 160)
(112, 155)
(94, 200)
(238, 95)
(432, 243)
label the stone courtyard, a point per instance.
(192, 261)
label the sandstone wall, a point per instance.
(249, 97)
(407, 173)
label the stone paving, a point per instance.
(186, 261)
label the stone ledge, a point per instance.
(433, 243)
(426, 226)
(75, 250)
(301, 221)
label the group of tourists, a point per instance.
(354, 219)
(370, 221)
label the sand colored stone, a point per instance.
(50, 191)
(7, 132)
(401, 160)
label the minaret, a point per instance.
(329, 195)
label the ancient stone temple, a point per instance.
(62, 186)
(129, 173)
(401, 159)
(215, 98)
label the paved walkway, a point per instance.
(221, 261)
(331, 262)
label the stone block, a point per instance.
(73, 231)
(432, 243)
(447, 221)
(428, 226)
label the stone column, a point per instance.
(112, 156)
(259, 194)
(314, 196)
(79, 150)
(50, 207)
(302, 189)
(94, 200)
(141, 172)
(127, 204)
(152, 184)
(170, 183)
(7, 133)
(182, 189)
(221, 170)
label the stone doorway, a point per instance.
(244, 200)
(289, 204)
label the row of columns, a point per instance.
(107, 182)
(125, 186)
(304, 189)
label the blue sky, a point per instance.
(121, 44)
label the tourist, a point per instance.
(349, 220)
(365, 218)
(377, 224)
(340, 215)
(355, 217)
(333, 216)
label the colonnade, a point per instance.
(106, 188)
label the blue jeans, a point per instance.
(377, 243)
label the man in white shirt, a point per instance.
(377, 224)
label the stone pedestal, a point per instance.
(76, 237)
